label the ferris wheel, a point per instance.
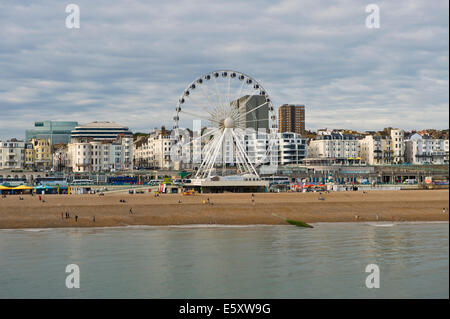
(228, 102)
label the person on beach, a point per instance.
(93, 219)
(131, 211)
(444, 210)
(76, 218)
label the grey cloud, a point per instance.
(130, 60)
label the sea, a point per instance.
(331, 260)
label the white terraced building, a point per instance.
(398, 145)
(12, 154)
(376, 149)
(97, 156)
(425, 150)
(153, 151)
(334, 145)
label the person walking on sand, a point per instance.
(76, 218)
(131, 211)
(93, 219)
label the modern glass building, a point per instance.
(56, 131)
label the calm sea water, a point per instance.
(228, 262)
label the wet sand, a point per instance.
(227, 208)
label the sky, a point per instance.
(131, 60)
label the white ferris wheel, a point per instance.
(228, 102)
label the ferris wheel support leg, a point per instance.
(253, 170)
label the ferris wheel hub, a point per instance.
(228, 122)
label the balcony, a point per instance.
(83, 165)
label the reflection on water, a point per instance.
(228, 262)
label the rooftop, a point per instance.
(101, 124)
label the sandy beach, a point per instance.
(227, 208)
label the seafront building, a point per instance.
(383, 148)
(41, 152)
(58, 132)
(421, 149)
(288, 148)
(90, 155)
(153, 151)
(291, 118)
(60, 158)
(336, 145)
(29, 156)
(100, 131)
(12, 154)
(376, 150)
(398, 145)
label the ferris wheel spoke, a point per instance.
(208, 147)
(222, 104)
(210, 151)
(199, 102)
(248, 163)
(206, 95)
(197, 116)
(239, 95)
(257, 120)
(216, 151)
(210, 133)
(255, 108)
(269, 153)
(228, 92)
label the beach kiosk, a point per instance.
(45, 189)
(22, 189)
(5, 190)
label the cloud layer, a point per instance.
(130, 60)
